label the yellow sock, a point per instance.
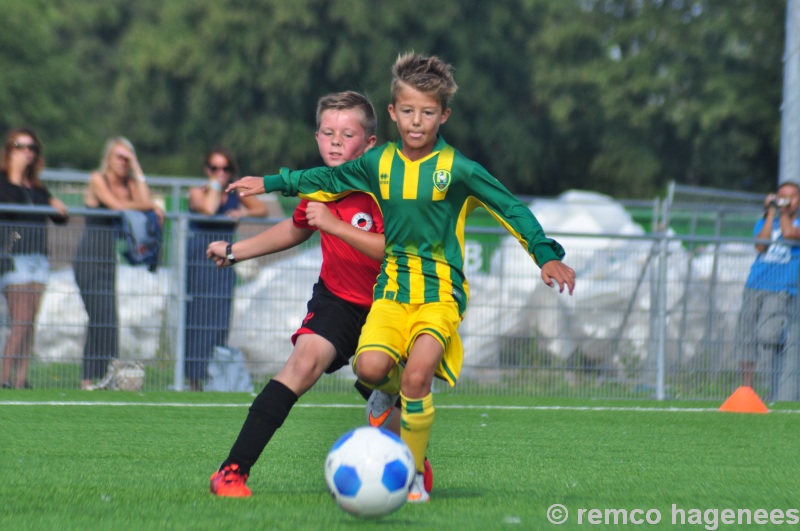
(415, 426)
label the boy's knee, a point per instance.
(306, 366)
(372, 367)
(416, 383)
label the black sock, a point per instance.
(365, 391)
(266, 415)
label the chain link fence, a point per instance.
(654, 315)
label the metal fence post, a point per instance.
(661, 298)
(790, 107)
(179, 248)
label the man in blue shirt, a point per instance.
(770, 294)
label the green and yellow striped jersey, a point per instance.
(425, 204)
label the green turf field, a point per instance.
(72, 460)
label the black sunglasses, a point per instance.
(214, 169)
(31, 147)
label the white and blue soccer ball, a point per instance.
(369, 472)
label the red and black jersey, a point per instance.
(347, 272)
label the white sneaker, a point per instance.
(417, 492)
(380, 408)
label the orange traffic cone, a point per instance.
(744, 400)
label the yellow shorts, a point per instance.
(392, 327)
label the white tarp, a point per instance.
(608, 319)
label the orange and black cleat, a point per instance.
(230, 482)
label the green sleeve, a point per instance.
(322, 183)
(274, 183)
(514, 215)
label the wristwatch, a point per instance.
(229, 253)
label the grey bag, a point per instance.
(227, 373)
(123, 375)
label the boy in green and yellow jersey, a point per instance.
(425, 189)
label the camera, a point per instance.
(780, 202)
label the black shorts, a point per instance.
(336, 320)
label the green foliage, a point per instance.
(39, 87)
(685, 91)
(618, 96)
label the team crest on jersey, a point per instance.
(441, 180)
(362, 221)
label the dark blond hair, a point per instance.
(429, 75)
(342, 101)
(33, 169)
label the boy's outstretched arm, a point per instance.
(277, 238)
(560, 273)
(247, 186)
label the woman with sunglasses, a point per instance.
(209, 289)
(23, 237)
(118, 184)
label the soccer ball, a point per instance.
(369, 471)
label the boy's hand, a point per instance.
(563, 275)
(319, 216)
(247, 186)
(216, 252)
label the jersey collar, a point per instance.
(439, 145)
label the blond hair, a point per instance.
(427, 74)
(111, 143)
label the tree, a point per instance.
(618, 96)
(677, 90)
